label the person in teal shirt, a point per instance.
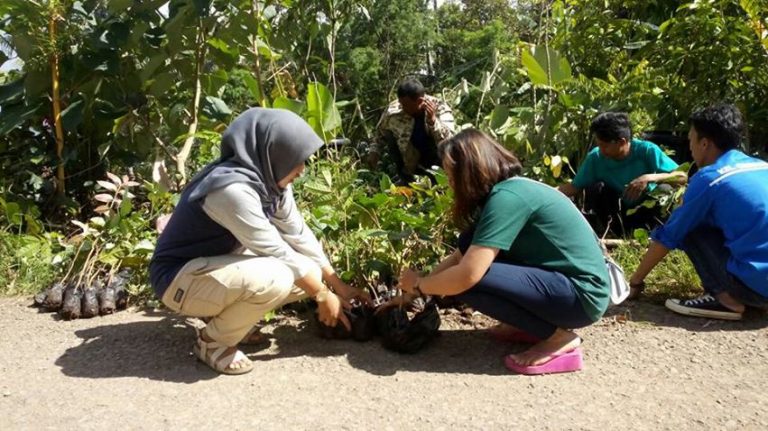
(619, 173)
(526, 257)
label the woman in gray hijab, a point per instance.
(236, 245)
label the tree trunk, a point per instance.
(257, 63)
(54, 60)
(183, 155)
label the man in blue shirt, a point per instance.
(618, 174)
(722, 224)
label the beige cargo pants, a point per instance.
(236, 290)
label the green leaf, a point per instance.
(25, 46)
(13, 213)
(117, 6)
(16, 115)
(72, 116)
(149, 69)
(499, 116)
(322, 114)
(253, 87)
(379, 266)
(318, 187)
(384, 182)
(295, 106)
(125, 207)
(12, 92)
(636, 45)
(97, 221)
(545, 66)
(106, 109)
(327, 177)
(225, 53)
(566, 100)
(217, 108)
(161, 84)
(641, 235)
(37, 82)
(174, 28)
(266, 51)
(144, 246)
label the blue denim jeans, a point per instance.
(705, 247)
(532, 299)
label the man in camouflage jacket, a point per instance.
(410, 129)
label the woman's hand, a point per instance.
(330, 309)
(347, 292)
(403, 300)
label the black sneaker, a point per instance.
(703, 306)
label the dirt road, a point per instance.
(134, 370)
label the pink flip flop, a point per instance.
(561, 363)
(512, 336)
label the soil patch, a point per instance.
(645, 369)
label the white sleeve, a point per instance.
(237, 208)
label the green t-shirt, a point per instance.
(644, 158)
(535, 225)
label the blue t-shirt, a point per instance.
(731, 195)
(644, 158)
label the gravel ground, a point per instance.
(645, 369)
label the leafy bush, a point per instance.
(25, 262)
(370, 228)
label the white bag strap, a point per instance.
(619, 285)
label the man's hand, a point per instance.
(403, 300)
(430, 109)
(407, 280)
(637, 187)
(330, 311)
(347, 293)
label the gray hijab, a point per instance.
(259, 148)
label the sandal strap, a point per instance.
(212, 353)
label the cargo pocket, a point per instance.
(195, 292)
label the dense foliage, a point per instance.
(133, 95)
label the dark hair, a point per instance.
(611, 126)
(475, 163)
(721, 123)
(410, 88)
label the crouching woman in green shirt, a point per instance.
(527, 257)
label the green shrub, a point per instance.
(26, 262)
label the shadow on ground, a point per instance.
(156, 350)
(453, 351)
(656, 314)
(162, 350)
